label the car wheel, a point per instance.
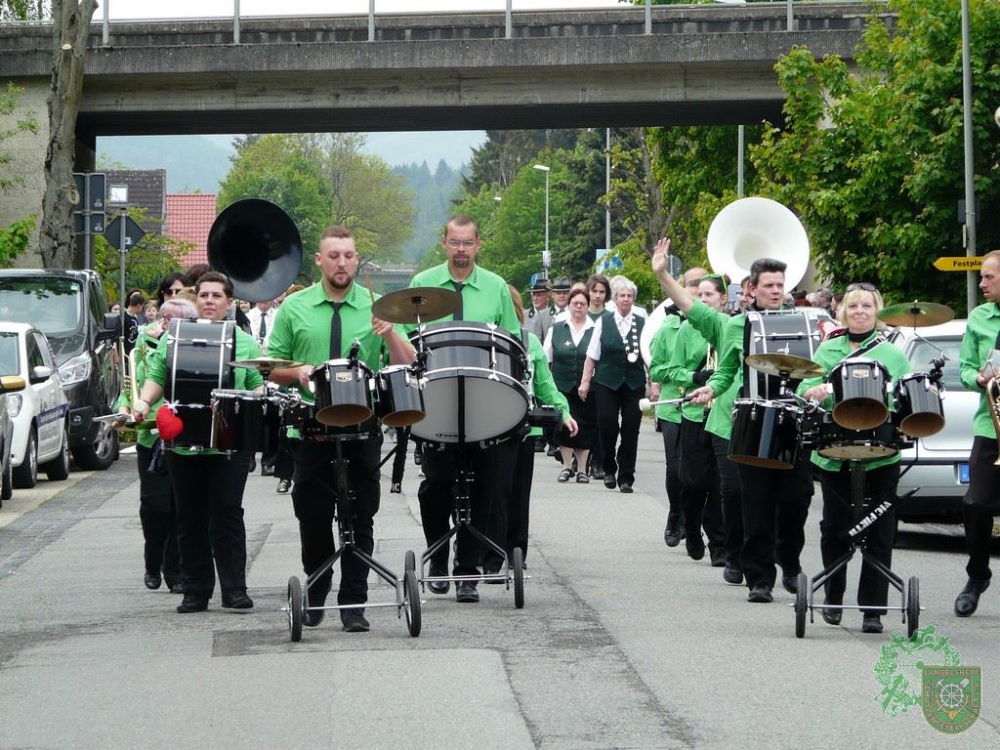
(100, 454)
(7, 490)
(58, 468)
(26, 475)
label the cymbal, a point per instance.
(916, 314)
(419, 303)
(265, 364)
(786, 365)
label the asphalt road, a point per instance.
(623, 643)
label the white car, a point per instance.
(40, 411)
(938, 466)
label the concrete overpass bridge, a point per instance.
(699, 64)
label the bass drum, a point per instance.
(779, 332)
(198, 357)
(474, 383)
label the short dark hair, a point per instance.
(598, 278)
(135, 298)
(337, 230)
(578, 291)
(218, 278)
(765, 265)
(168, 281)
(460, 220)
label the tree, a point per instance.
(70, 30)
(22, 10)
(872, 160)
(14, 237)
(505, 152)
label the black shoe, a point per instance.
(465, 591)
(597, 474)
(253, 465)
(497, 580)
(833, 616)
(152, 581)
(238, 601)
(718, 557)
(695, 547)
(733, 574)
(674, 531)
(283, 486)
(192, 603)
(176, 587)
(871, 624)
(438, 587)
(760, 594)
(354, 621)
(625, 487)
(267, 471)
(968, 601)
(790, 583)
(313, 617)
(609, 481)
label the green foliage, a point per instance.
(636, 266)
(25, 123)
(872, 160)
(14, 239)
(24, 10)
(505, 153)
(432, 194)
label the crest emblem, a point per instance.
(951, 697)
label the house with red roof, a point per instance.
(190, 217)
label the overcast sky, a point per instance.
(144, 9)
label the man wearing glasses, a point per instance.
(485, 299)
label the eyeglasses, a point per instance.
(464, 244)
(863, 286)
(172, 291)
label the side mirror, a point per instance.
(12, 384)
(112, 328)
(40, 373)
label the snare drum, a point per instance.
(831, 440)
(302, 416)
(765, 434)
(859, 393)
(400, 398)
(198, 357)
(474, 385)
(245, 421)
(343, 392)
(919, 411)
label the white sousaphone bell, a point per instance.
(745, 231)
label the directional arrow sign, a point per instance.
(133, 233)
(958, 264)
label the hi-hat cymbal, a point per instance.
(784, 365)
(265, 364)
(417, 304)
(916, 314)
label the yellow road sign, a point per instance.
(958, 264)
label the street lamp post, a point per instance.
(543, 168)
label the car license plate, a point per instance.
(963, 473)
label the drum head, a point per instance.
(922, 425)
(857, 452)
(403, 418)
(343, 415)
(860, 414)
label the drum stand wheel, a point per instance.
(801, 605)
(518, 571)
(295, 610)
(911, 610)
(411, 594)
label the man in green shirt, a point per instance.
(314, 325)
(486, 299)
(982, 501)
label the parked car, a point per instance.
(938, 466)
(40, 411)
(70, 308)
(8, 384)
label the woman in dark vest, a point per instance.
(619, 374)
(566, 347)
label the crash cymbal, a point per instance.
(265, 364)
(419, 303)
(916, 314)
(784, 365)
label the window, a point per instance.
(924, 351)
(53, 304)
(8, 354)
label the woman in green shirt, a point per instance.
(859, 314)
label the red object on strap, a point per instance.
(168, 423)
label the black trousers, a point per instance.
(489, 493)
(158, 516)
(518, 506)
(317, 501)
(700, 485)
(671, 432)
(284, 459)
(839, 516)
(731, 500)
(611, 404)
(775, 508)
(982, 504)
(209, 493)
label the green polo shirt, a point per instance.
(827, 356)
(980, 337)
(302, 326)
(726, 334)
(659, 359)
(485, 296)
(689, 350)
(245, 379)
(145, 345)
(543, 385)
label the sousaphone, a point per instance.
(743, 232)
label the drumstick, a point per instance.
(368, 282)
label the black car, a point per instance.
(70, 308)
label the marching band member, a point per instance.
(208, 485)
(982, 501)
(859, 314)
(307, 331)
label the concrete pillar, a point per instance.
(27, 153)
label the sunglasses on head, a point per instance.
(863, 286)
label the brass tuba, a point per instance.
(257, 245)
(993, 399)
